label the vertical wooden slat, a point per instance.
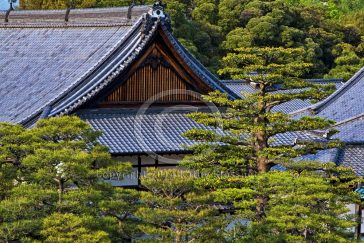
(147, 82)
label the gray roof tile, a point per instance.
(353, 156)
(325, 156)
(351, 131)
(127, 132)
(346, 102)
(42, 63)
(158, 131)
(239, 87)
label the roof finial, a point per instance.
(156, 14)
(158, 10)
(11, 2)
(11, 8)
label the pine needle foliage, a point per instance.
(174, 209)
(307, 202)
(251, 126)
(52, 174)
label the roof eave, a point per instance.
(323, 104)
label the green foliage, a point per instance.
(276, 24)
(355, 18)
(175, 209)
(71, 228)
(307, 202)
(305, 206)
(251, 126)
(56, 4)
(51, 173)
(335, 8)
(347, 62)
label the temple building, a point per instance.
(122, 71)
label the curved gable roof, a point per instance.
(346, 102)
(53, 67)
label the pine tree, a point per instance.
(252, 126)
(15, 144)
(305, 203)
(308, 205)
(56, 169)
(175, 209)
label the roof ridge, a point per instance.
(63, 25)
(74, 10)
(347, 85)
(69, 17)
(209, 78)
(349, 120)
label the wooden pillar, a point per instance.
(156, 162)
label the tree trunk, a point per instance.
(60, 190)
(261, 144)
(178, 236)
(260, 209)
(262, 166)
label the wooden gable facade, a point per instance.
(159, 75)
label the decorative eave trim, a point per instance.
(137, 48)
(139, 36)
(202, 72)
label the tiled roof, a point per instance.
(57, 66)
(126, 132)
(39, 64)
(337, 81)
(346, 102)
(350, 156)
(353, 156)
(351, 130)
(325, 156)
(76, 17)
(239, 87)
(159, 131)
(123, 57)
(291, 106)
